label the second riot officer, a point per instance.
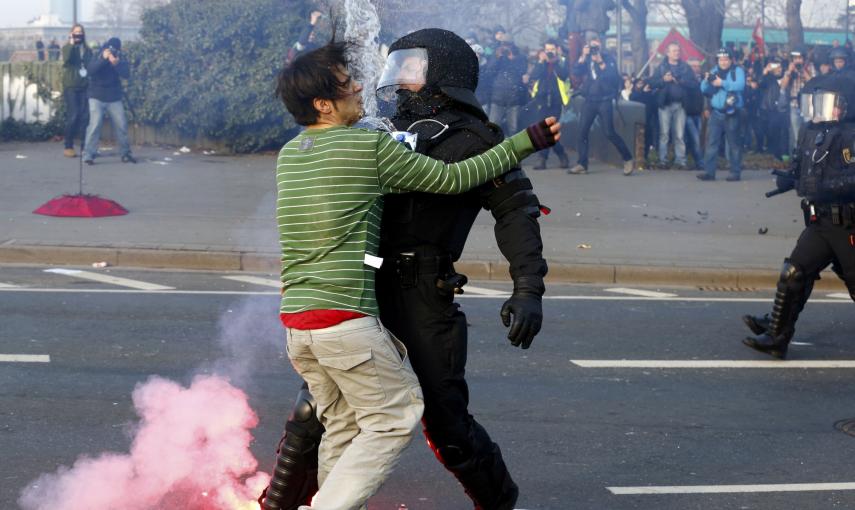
(431, 76)
(823, 173)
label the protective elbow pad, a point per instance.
(512, 191)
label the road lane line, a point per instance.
(7, 286)
(462, 296)
(839, 295)
(639, 292)
(266, 282)
(729, 489)
(112, 280)
(481, 291)
(24, 358)
(711, 363)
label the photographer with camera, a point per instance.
(600, 86)
(105, 95)
(551, 94)
(798, 73)
(75, 57)
(671, 80)
(724, 85)
(506, 89)
(775, 107)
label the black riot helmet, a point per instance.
(436, 58)
(829, 98)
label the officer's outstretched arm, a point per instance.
(516, 208)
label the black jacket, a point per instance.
(675, 91)
(598, 84)
(507, 88)
(443, 222)
(105, 82)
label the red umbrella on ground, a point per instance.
(81, 205)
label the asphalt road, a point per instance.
(575, 437)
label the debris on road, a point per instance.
(184, 149)
(100, 264)
(584, 246)
(20, 156)
(762, 231)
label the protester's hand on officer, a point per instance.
(545, 133)
(523, 311)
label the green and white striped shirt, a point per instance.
(330, 186)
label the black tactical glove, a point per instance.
(785, 181)
(526, 308)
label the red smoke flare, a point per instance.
(190, 452)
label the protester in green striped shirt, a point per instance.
(331, 179)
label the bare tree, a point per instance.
(795, 31)
(637, 10)
(706, 22)
(114, 13)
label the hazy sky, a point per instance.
(16, 13)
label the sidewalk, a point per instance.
(196, 211)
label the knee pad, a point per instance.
(792, 277)
(304, 408)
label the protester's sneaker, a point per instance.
(89, 162)
(705, 177)
(69, 153)
(127, 158)
(628, 166)
(577, 170)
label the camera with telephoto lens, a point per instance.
(595, 50)
(114, 51)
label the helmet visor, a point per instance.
(403, 67)
(806, 106)
(828, 107)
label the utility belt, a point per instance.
(840, 214)
(410, 266)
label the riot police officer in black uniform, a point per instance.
(823, 173)
(432, 75)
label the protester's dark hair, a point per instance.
(551, 41)
(76, 25)
(313, 75)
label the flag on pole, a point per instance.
(687, 47)
(759, 39)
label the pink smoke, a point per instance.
(191, 452)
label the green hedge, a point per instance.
(209, 68)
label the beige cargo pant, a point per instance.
(369, 401)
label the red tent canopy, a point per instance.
(689, 50)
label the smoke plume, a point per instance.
(190, 452)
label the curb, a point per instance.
(731, 279)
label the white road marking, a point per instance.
(725, 489)
(266, 282)
(639, 292)
(839, 295)
(710, 363)
(7, 286)
(481, 291)
(24, 358)
(800, 343)
(462, 296)
(113, 280)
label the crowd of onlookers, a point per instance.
(742, 99)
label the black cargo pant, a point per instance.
(822, 243)
(426, 319)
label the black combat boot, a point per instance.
(486, 480)
(790, 298)
(760, 324)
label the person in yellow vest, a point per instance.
(550, 93)
(600, 85)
